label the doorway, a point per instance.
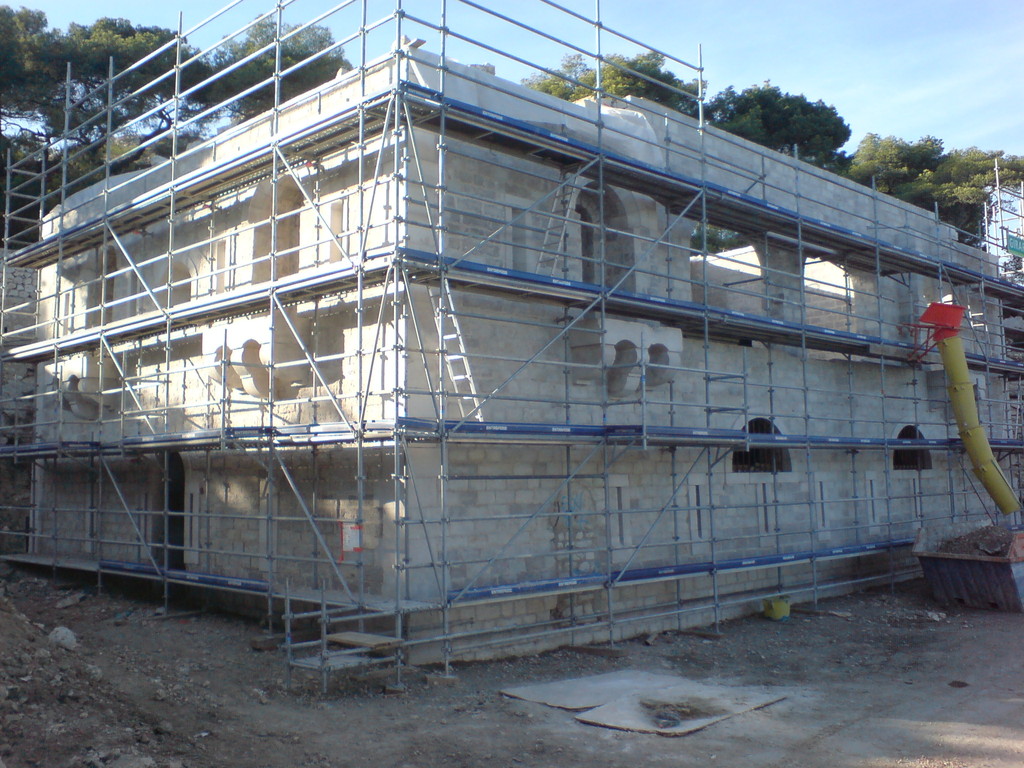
(169, 525)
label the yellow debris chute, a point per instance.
(943, 322)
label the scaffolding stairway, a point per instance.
(337, 647)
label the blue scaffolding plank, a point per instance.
(192, 577)
(597, 580)
(300, 435)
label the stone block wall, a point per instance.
(17, 409)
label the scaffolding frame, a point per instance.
(359, 206)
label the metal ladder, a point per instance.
(553, 245)
(452, 347)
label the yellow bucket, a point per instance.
(776, 608)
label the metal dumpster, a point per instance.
(973, 580)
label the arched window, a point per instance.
(911, 458)
(758, 459)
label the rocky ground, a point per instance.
(990, 541)
(875, 679)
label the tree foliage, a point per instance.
(24, 72)
(117, 122)
(642, 75)
(958, 182)
(34, 83)
(813, 130)
(254, 61)
(37, 80)
(35, 59)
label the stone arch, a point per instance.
(627, 356)
(612, 239)
(252, 371)
(223, 372)
(270, 249)
(658, 366)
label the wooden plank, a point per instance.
(362, 640)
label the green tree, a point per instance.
(25, 82)
(712, 239)
(642, 75)
(308, 58)
(958, 182)
(897, 166)
(141, 102)
(782, 121)
(114, 124)
(963, 182)
(763, 114)
(45, 69)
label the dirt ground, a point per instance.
(874, 679)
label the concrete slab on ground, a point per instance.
(646, 702)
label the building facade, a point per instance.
(454, 357)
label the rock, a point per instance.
(95, 673)
(436, 678)
(993, 540)
(163, 728)
(64, 638)
(265, 642)
(70, 600)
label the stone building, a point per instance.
(453, 355)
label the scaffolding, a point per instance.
(447, 363)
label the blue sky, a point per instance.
(908, 68)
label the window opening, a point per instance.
(906, 459)
(762, 459)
